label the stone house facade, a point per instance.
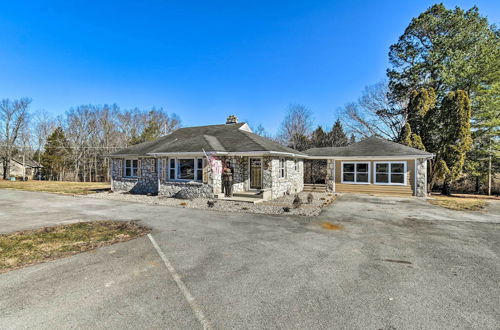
(189, 162)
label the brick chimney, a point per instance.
(232, 119)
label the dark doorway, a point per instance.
(315, 171)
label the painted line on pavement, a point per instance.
(189, 297)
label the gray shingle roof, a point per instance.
(222, 138)
(372, 146)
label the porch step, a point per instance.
(245, 196)
(249, 194)
(316, 187)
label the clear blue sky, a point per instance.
(204, 59)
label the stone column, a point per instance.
(421, 177)
(330, 175)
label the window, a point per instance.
(171, 170)
(188, 169)
(390, 173)
(282, 168)
(199, 169)
(185, 169)
(131, 167)
(356, 173)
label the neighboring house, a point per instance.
(189, 162)
(375, 166)
(29, 168)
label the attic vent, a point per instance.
(232, 120)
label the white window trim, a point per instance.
(405, 174)
(132, 166)
(355, 163)
(282, 168)
(176, 163)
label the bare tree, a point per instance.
(13, 119)
(374, 114)
(296, 125)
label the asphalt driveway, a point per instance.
(398, 263)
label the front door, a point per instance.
(255, 173)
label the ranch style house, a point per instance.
(188, 163)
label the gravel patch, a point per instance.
(283, 205)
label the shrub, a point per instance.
(310, 197)
(211, 203)
(183, 204)
(286, 209)
(297, 202)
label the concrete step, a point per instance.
(257, 195)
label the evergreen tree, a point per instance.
(411, 139)
(319, 138)
(352, 139)
(337, 136)
(300, 142)
(151, 132)
(56, 151)
(455, 138)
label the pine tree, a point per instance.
(319, 138)
(456, 140)
(301, 142)
(411, 139)
(337, 136)
(150, 133)
(56, 151)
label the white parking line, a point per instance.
(190, 299)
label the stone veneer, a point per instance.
(186, 190)
(292, 183)
(421, 177)
(147, 180)
(330, 175)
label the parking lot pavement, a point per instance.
(386, 269)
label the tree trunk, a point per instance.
(477, 184)
(446, 190)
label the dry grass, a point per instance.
(30, 247)
(458, 203)
(58, 187)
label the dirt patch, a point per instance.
(34, 246)
(331, 226)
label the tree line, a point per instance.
(73, 146)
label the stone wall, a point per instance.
(186, 190)
(330, 175)
(240, 172)
(421, 177)
(146, 181)
(292, 183)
